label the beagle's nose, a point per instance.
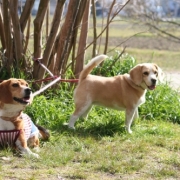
(28, 91)
(153, 81)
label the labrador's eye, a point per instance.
(15, 85)
(146, 73)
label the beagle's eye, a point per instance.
(156, 73)
(15, 85)
(146, 73)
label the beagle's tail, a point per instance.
(45, 135)
(88, 68)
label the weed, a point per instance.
(115, 65)
(162, 103)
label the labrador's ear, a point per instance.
(5, 93)
(136, 74)
(160, 73)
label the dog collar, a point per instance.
(141, 87)
(133, 84)
(11, 118)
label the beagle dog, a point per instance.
(123, 92)
(15, 95)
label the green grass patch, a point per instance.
(75, 155)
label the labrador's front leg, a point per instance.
(131, 114)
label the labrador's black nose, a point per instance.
(153, 81)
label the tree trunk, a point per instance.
(94, 29)
(107, 30)
(26, 14)
(82, 41)
(8, 36)
(38, 34)
(66, 36)
(26, 39)
(52, 36)
(2, 35)
(81, 11)
(17, 34)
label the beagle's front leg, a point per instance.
(21, 144)
(131, 114)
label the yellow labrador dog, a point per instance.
(122, 92)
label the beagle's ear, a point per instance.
(136, 74)
(160, 73)
(5, 94)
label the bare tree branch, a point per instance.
(82, 41)
(26, 13)
(107, 29)
(38, 21)
(94, 29)
(2, 35)
(110, 21)
(18, 37)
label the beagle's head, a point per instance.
(146, 75)
(15, 91)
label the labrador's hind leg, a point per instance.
(79, 111)
(85, 115)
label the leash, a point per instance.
(38, 60)
(56, 78)
(61, 80)
(42, 65)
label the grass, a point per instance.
(152, 152)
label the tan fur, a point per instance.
(7, 91)
(122, 92)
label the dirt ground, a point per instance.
(174, 79)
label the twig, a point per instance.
(114, 62)
(127, 40)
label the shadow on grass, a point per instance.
(96, 130)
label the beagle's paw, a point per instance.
(30, 155)
(35, 155)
